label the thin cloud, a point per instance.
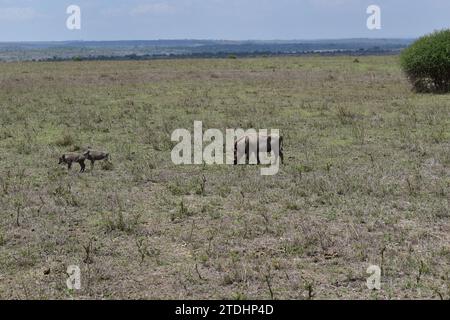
(334, 3)
(18, 14)
(152, 8)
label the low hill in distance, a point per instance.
(151, 49)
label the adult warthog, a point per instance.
(255, 148)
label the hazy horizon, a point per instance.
(212, 39)
(238, 20)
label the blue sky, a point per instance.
(44, 20)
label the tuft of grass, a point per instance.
(120, 221)
(107, 166)
(65, 140)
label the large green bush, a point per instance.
(427, 62)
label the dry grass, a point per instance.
(366, 181)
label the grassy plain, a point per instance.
(366, 181)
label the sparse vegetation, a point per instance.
(366, 180)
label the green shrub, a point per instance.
(427, 62)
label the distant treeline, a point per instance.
(228, 55)
(167, 49)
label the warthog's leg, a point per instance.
(281, 150)
(82, 165)
(247, 150)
